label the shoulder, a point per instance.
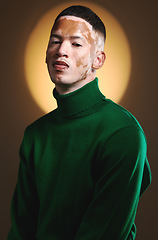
(40, 126)
(118, 124)
(117, 116)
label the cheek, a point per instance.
(84, 60)
(83, 66)
(50, 51)
(80, 62)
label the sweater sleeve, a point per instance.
(122, 162)
(24, 207)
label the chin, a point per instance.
(60, 80)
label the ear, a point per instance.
(99, 60)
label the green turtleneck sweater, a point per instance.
(83, 168)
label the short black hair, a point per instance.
(86, 14)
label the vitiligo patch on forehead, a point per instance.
(80, 20)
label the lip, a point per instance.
(60, 64)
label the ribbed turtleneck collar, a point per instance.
(81, 102)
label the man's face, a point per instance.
(71, 51)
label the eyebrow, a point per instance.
(71, 37)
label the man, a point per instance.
(83, 166)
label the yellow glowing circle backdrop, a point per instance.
(113, 76)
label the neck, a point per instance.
(63, 89)
(81, 102)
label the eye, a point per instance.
(77, 44)
(55, 42)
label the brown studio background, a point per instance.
(18, 109)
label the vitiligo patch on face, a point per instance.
(80, 20)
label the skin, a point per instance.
(74, 53)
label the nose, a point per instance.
(63, 50)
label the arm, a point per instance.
(24, 207)
(112, 211)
